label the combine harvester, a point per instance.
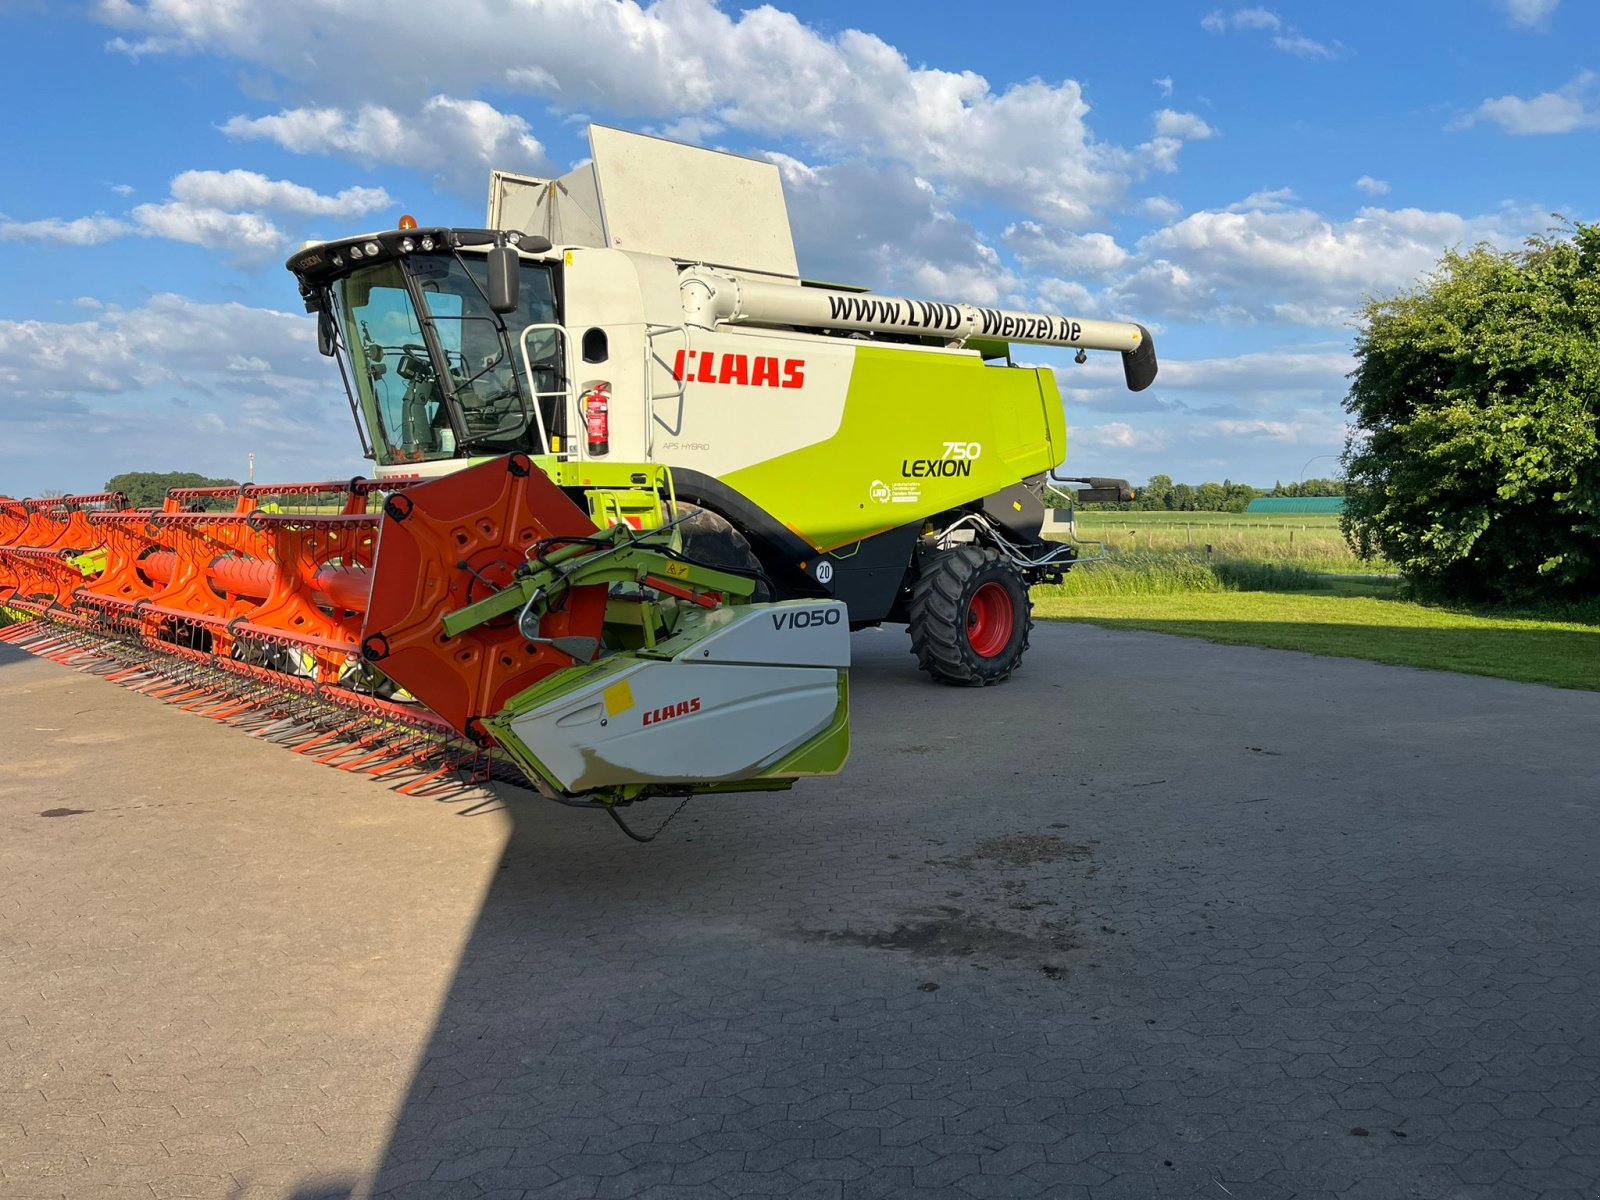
(635, 483)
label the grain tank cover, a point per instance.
(653, 196)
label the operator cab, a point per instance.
(449, 340)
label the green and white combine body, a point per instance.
(647, 308)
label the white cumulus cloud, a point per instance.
(171, 384)
(233, 191)
(1172, 130)
(1170, 123)
(884, 228)
(1263, 20)
(1277, 431)
(220, 210)
(1267, 200)
(1218, 21)
(1243, 385)
(1301, 46)
(78, 231)
(761, 71)
(1064, 252)
(1120, 435)
(250, 239)
(170, 339)
(1529, 13)
(1270, 261)
(1273, 372)
(1159, 208)
(453, 140)
(1574, 106)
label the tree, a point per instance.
(1239, 496)
(1474, 464)
(1161, 494)
(1310, 487)
(147, 489)
(1157, 493)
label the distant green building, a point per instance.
(1283, 506)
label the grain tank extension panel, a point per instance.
(653, 196)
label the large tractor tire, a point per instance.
(712, 540)
(970, 617)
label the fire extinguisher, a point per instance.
(597, 416)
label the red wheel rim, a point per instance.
(990, 618)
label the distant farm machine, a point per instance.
(635, 481)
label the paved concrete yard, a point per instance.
(1158, 918)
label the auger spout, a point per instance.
(711, 298)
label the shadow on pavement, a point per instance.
(1304, 926)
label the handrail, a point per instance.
(565, 393)
(651, 357)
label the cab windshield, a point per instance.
(435, 370)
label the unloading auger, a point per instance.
(522, 619)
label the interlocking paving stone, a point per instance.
(1284, 926)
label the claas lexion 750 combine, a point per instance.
(635, 482)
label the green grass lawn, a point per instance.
(1257, 588)
(1352, 625)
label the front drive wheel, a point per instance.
(970, 616)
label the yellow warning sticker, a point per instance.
(676, 570)
(618, 698)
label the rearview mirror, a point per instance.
(504, 275)
(327, 334)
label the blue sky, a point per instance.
(1236, 177)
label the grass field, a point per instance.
(1312, 541)
(1291, 583)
